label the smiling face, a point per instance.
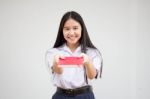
(72, 32)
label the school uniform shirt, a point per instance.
(72, 77)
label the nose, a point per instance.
(71, 31)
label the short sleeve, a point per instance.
(49, 57)
(97, 61)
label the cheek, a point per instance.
(64, 34)
(79, 34)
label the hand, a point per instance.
(56, 66)
(86, 59)
(57, 57)
(90, 70)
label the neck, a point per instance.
(73, 46)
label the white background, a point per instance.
(119, 28)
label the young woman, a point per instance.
(73, 41)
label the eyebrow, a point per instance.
(73, 26)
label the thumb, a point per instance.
(56, 59)
(62, 56)
(82, 55)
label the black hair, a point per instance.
(84, 41)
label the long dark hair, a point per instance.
(84, 40)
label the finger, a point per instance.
(81, 55)
(57, 58)
(62, 56)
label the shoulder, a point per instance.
(51, 50)
(54, 50)
(93, 52)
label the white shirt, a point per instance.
(72, 77)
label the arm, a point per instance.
(55, 66)
(90, 70)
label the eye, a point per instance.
(75, 28)
(66, 29)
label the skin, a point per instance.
(72, 33)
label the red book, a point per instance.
(71, 61)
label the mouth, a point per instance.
(72, 37)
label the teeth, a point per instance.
(71, 37)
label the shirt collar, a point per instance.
(66, 48)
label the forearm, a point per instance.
(90, 70)
(57, 69)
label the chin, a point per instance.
(72, 43)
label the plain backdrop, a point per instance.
(119, 28)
